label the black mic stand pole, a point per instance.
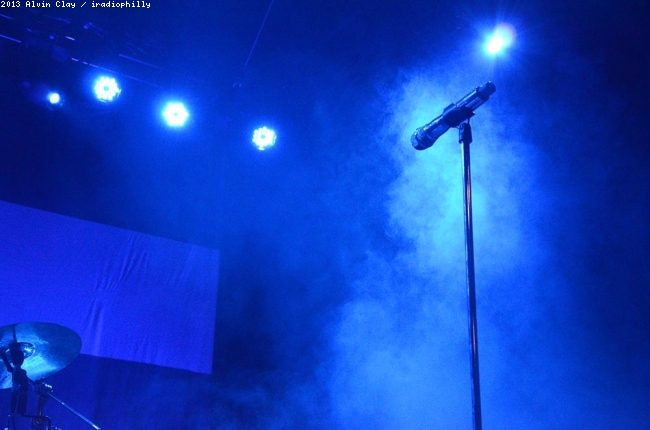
(465, 138)
(458, 115)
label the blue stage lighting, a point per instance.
(495, 44)
(502, 37)
(106, 89)
(54, 98)
(175, 114)
(263, 138)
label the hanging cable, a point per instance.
(250, 54)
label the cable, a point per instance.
(258, 36)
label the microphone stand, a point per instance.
(465, 138)
(458, 115)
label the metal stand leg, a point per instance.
(465, 138)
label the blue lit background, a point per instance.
(342, 293)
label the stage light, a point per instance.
(495, 44)
(106, 89)
(175, 114)
(54, 98)
(501, 38)
(51, 99)
(263, 138)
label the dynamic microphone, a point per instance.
(452, 116)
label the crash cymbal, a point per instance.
(47, 347)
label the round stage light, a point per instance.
(106, 89)
(264, 137)
(495, 44)
(175, 114)
(54, 98)
(501, 38)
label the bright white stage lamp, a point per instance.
(503, 36)
(264, 137)
(54, 98)
(106, 89)
(175, 114)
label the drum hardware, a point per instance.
(36, 350)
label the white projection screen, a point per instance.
(129, 296)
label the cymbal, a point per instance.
(48, 348)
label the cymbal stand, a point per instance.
(13, 358)
(40, 421)
(43, 422)
(27, 338)
(44, 391)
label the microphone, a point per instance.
(452, 116)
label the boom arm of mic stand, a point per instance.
(42, 389)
